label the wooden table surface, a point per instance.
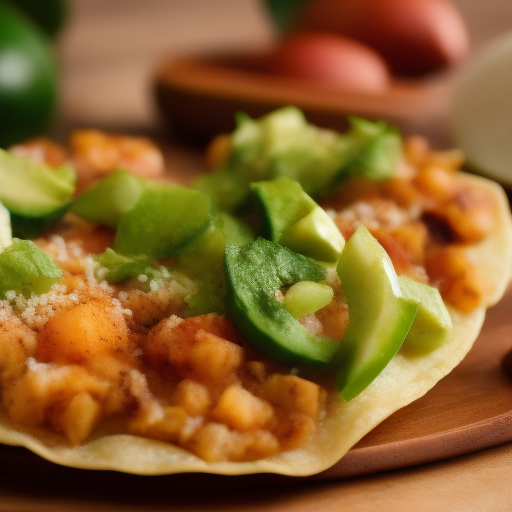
(108, 55)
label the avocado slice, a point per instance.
(33, 190)
(163, 220)
(255, 272)
(380, 316)
(432, 326)
(293, 219)
(110, 199)
(307, 297)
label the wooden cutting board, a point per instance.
(468, 410)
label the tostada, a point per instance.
(264, 320)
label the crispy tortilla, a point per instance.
(404, 380)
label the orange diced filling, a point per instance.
(82, 332)
(294, 394)
(241, 410)
(79, 418)
(90, 351)
(193, 397)
(458, 280)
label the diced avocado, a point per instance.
(281, 203)
(380, 317)
(226, 188)
(109, 199)
(316, 236)
(236, 231)
(307, 297)
(255, 272)
(432, 326)
(163, 220)
(372, 150)
(26, 269)
(31, 189)
(281, 143)
(120, 268)
(291, 218)
(5, 228)
(206, 252)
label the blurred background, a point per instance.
(110, 48)
(108, 53)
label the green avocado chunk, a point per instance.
(291, 218)
(120, 268)
(33, 190)
(372, 150)
(283, 143)
(255, 272)
(307, 297)
(163, 220)
(108, 201)
(380, 316)
(26, 269)
(432, 326)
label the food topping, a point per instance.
(217, 323)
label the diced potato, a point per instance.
(82, 332)
(212, 358)
(459, 281)
(147, 309)
(470, 216)
(79, 418)
(213, 442)
(259, 444)
(29, 398)
(402, 192)
(197, 348)
(293, 394)
(334, 319)
(413, 238)
(17, 344)
(193, 397)
(98, 153)
(436, 182)
(241, 410)
(257, 370)
(161, 422)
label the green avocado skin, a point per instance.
(255, 272)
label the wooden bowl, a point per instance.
(199, 97)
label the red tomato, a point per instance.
(414, 36)
(334, 61)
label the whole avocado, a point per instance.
(28, 77)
